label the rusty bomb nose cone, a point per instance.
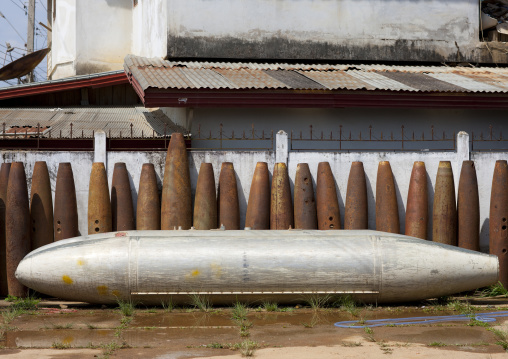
(281, 207)
(328, 212)
(99, 206)
(148, 214)
(176, 204)
(4, 181)
(122, 209)
(417, 217)
(258, 208)
(205, 203)
(444, 214)
(498, 222)
(41, 207)
(66, 207)
(17, 229)
(227, 198)
(356, 212)
(387, 213)
(468, 208)
(304, 204)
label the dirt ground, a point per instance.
(59, 329)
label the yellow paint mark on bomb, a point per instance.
(102, 290)
(116, 293)
(81, 262)
(216, 270)
(195, 273)
(66, 279)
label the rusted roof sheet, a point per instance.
(83, 121)
(160, 74)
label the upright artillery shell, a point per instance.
(41, 207)
(66, 207)
(444, 214)
(417, 203)
(122, 209)
(498, 221)
(304, 203)
(258, 208)
(148, 213)
(4, 181)
(99, 205)
(356, 212)
(176, 204)
(205, 204)
(387, 212)
(17, 229)
(227, 198)
(281, 207)
(328, 212)
(468, 208)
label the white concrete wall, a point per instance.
(244, 163)
(150, 28)
(90, 36)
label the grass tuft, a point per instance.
(126, 307)
(201, 302)
(316, 301)
(348, 304)
(495, 290)
(59, 345)
(270, 306)
(168, 305)
(247, 348)
(437, 344)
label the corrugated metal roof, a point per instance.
(157, 73)
(115, 121)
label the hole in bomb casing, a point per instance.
(503, 228)
(504, 250)
(330, 218)
(96, 221)
(59, 230)
(504, 219)
(57, 222)
(97, 229)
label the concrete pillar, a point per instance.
(281, 147)
(462, 147)
(99, 145)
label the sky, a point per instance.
(15, 12)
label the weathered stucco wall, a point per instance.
(415, 30)
(149, 35)
(245, 162)
(90, 36)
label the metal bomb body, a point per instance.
(148, 213)
(4, 181)
(468, 208)
(417, 209)
(387, 213)
(66, 206)
(304, 203)
(328, 212)
(99, 205)
(205, 203)
(41, 207)
(230, 266)
(498, 222)
(356, 214)
(258, 208)
(122, 209)
(228, 208)
(444, 214)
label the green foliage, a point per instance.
(348, 304)
(494, 290)
(59, 345)
(270, 306)
(240, 311)
(126, 307)
(247, 348)
(168, 305)
(437, 344)
(316, 301)
(200, 302)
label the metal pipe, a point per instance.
(176, 203)
(205, 203)
(4, 181)
(356, 212)
(444, 214)
(328, 212)
(281, 206)
(66, 207)
(304, 203)
(498, 221)
(417, 209)
(258, 208)
(17, 227)
(228, 208)
(468, 208)
(99, 205)
(387, 212)
(122, 209)
(41, 207)
(148, 213)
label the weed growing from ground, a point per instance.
(501, 336)
(316, 301)
(200, 302)
(168, 305)
(494, 290)
(270, 306)
(247, 348)
(437, 344)
(58, 345)
(348, 304)
(240, 311)
(126, 307)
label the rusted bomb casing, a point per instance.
(356, 212)
(328, 212)
(17, 229)
(387, 212)
(4, 181)
(444, 214)
(281, 206)
(258, 208)
(498, 222)
(176, 204)
(41, 207)
(205, 203)
(417, 217)
(122, 209)
(468, 208)
(304, 204)
(227, 198)
(66, 207)
(99, 205)
(148, 213)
